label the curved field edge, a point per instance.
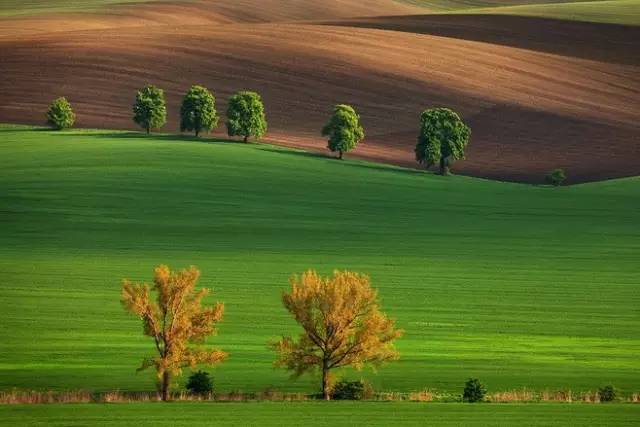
(520, 286)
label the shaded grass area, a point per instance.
(520, 286)
(319, 414)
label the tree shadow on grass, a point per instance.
(177, 138)
(25, 128)
(356, 163)
(163, 137)
(298, 153)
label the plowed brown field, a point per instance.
(565, 96)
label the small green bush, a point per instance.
(607, 393)
(349, 390)
(200, 383)
(474, 391)
(556, 177)
(60, 114)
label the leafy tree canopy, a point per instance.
(245, 116)
(149, 108)
(443, 138)
(343, 129)
(342, 325)
(60, 115)
(174, 318)
(198, 111)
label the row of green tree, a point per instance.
(442, 139)
(245, 112)
(340, 317)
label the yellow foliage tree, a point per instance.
(342, 326)
(174, 319)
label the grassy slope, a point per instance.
(319, 414)
(605, 11)
(517, 285)
(608, 11)
(35, 7)
(611, 11)
(450, 5)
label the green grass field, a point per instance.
(320, 414)
(520, 286)
(37, 7)
(605, 11)
(609, 11)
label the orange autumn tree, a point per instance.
(174, 318)
(342, 326)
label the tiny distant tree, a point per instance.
(60, 115)
(199, 383)
(174, 319)
(443, 138)
(343, 129)
(198, 111)
(149, 108)
(342, 326)
(474, 391)
(556, 177)
(245, 116)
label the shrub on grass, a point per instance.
(474, 391)
(349, 390)
(607, 393)
(200, 383)
(556, 177)
(60, 114)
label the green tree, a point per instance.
(60, 115)
(198, 111)
(245, 116)
(443, 138)
(343, 129)
(149, 109)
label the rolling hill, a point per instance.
(538, 94)
(518, 285)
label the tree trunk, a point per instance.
(444, 167)
(197, 132)
(245, 139)
(166, 379)
(326, 392)
(148, 130)
(340, 154)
